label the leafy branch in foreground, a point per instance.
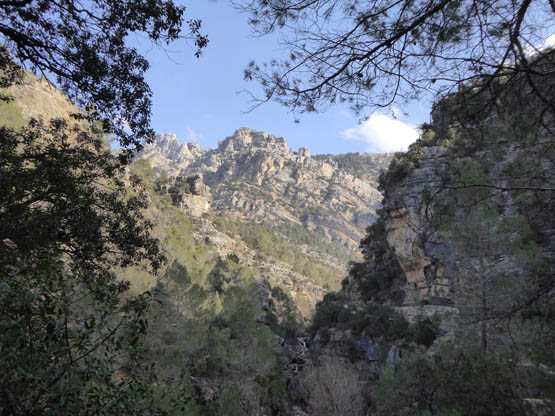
(375, 53)
(83, 44)
(69, 333)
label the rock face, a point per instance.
(166, 153)
(37, 98)
(433, 252)
(193, 205)
(189, 194)
(255, 176)
(460, 210)
(406, 222)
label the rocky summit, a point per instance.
(255, 176)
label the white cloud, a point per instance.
(382, 134)
(396, 112)
(193, 136)
(549, 42)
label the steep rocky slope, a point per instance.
(234, 299)
(255, 176)
(37, 98)
(463, 249)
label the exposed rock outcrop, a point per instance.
(255, 176)
(166, 153)
(407, 222)
(464, 242)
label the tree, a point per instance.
(333, 388)
(82, 44)
(499, 270)
(375, 53)
(451, 382)
(69, 332)
(69, 329)
(486, 287)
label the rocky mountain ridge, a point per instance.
(255, 176)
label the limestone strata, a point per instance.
(256, 176)
(407, 222)
(194, 205)
(167, 153)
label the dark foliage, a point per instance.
(451, 382)
(61, 189)
(379, 276)
(425, 331)
(386, 52)
(83, 45)
(70, 334)
(327, 312)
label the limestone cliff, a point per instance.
(255, 176)
(463, 248)
(166, 153)
(468, 218)
(296, 219)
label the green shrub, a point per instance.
(357, 322)
(227, 272)
(10, 115)
(399, 168)
(326, 314)
(279, 294)
(178, 273)
(233, 257)
(264, 240)
(385, 322)
(450, 382)
(379, 275)
(425, 331)
(143, 170)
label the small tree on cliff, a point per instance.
(488, 287)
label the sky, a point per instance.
(200, 99)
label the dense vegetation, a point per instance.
(213, 342)
(265, 241)
(65, 318)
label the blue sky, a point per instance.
(200, 100)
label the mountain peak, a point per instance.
(169, 154)
(247, 139)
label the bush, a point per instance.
(449, 383)
(425, 331)
(385, 323)
(379, 275)
(326, 314)
(399, 168)
(334, 388)
(178, 273)
(143, 170)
